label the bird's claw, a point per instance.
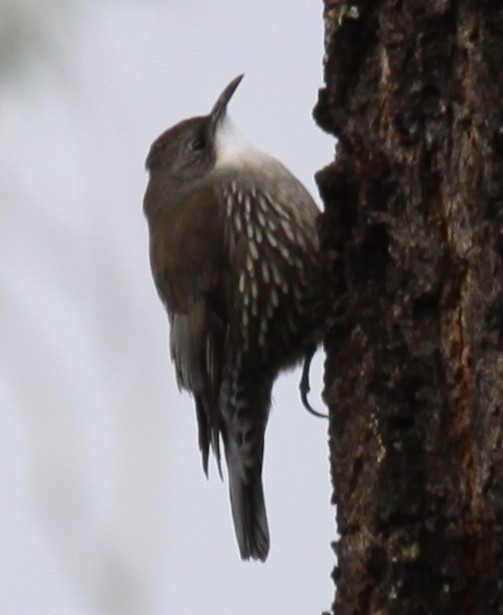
(304, 386)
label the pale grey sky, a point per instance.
(105, 509)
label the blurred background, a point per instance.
(104, 506)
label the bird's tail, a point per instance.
(248, 513)
(245, 408)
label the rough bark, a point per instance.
(413, 231)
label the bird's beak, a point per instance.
(217, 114)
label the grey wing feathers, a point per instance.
(187, 254)
(196, 349)
(185, 344)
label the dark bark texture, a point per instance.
(413, 233)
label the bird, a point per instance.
(235, 257)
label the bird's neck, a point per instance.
(232, 150)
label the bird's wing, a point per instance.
(187, 256)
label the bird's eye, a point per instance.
(197, 144)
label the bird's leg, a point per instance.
(304, 384)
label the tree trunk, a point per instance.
(413, 230)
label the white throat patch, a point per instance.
(232, 149)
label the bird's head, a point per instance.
(190, 150)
